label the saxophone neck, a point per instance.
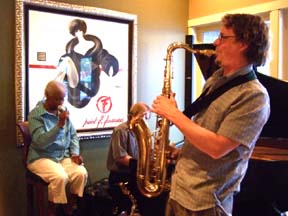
(177, 45)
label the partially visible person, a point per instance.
(219, 139)
(122, 149)
(54, 153)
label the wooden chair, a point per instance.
(34, 183)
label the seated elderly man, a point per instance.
(54, 153)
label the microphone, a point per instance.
(65, 118)
(61, 108)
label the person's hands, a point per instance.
(78, 159)
(173, 153)
(163, 105)
(63, 116)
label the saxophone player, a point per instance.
(220, 138)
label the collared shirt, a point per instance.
(123, 142)
(48, 140)
(199, 181)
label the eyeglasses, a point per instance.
(222, 37)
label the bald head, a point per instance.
(55, 93)
(54, 87)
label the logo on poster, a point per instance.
(104, 104)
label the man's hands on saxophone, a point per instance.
(173, 154)
(162, 105)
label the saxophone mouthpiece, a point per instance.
(207, 52)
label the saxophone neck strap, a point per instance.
(203, 101)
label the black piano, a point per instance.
(264, 190)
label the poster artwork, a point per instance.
(90, 56)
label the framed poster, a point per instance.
(91, 50)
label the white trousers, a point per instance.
(58, 175)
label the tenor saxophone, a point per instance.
(153, 147)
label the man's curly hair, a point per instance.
(253, 31)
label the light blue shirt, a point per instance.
(48, 140)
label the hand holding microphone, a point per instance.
(63, 115)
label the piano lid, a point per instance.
(277, 90)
